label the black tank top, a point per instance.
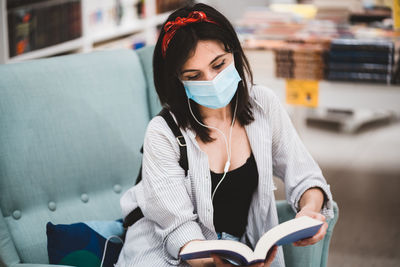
(233, 197)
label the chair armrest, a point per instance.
(310, 256)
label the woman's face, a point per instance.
(208, 59)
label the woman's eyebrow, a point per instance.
(216, 58)
(212, 61)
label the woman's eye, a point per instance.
(192, 77)
(219, 65)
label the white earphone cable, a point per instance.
(226, 141)
(228, 146)
(230, 152)
(105, 247)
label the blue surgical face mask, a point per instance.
(216, 93)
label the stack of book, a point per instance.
(300, 61)
(35, 24)
(360, 60)
(135, 41)
(338, 10)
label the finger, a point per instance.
(303, 242)
(219, 262)
(271, 257)
(307, 242)
(320, 217)
(314, 239)
(316, 215)
(320, 234)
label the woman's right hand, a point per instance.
(267, 263)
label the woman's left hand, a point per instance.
(267, 263)
(319, 235)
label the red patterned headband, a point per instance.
(171, 27)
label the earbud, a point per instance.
(227, 164)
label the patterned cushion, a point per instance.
(82, 244)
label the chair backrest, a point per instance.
(71, 128)
(310, 256)
(146, 58)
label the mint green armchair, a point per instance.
(310, 256)
(71, 128)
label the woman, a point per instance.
(237, 137)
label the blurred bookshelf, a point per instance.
(343, 40)
(33, 29)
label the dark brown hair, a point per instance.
(170, 89)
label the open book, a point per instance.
(240, 254)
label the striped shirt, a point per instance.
(178, 209)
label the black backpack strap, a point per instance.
(132, 217)
(183, 160)
(137, 214)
